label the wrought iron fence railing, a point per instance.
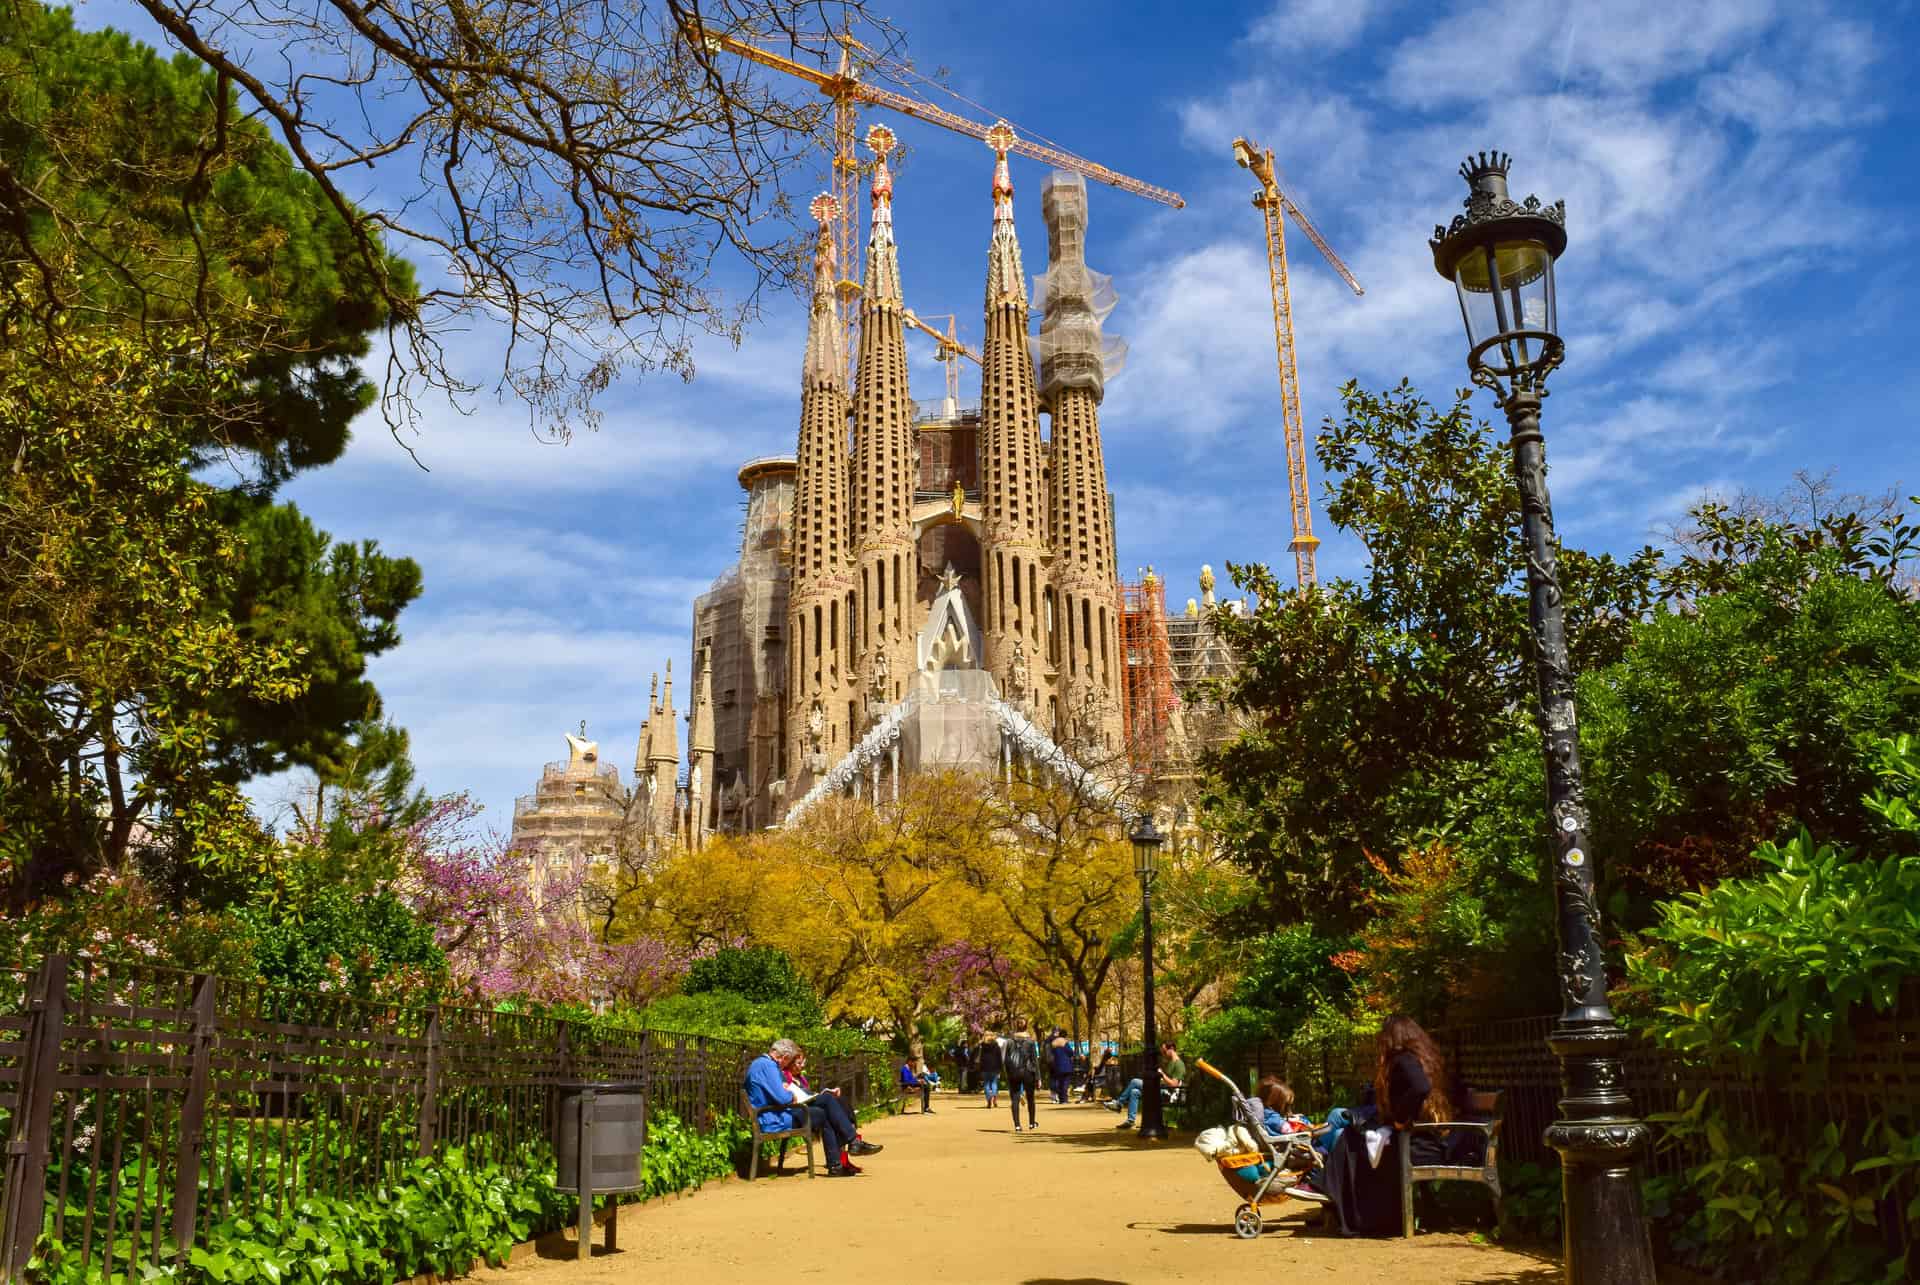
(141, 1103)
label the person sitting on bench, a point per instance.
(777, 1101)
(909, 1081)
(1173, 1073)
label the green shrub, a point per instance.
(1766, 976)
(761, 975)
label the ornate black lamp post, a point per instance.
(1146, 859)
(1499, 256)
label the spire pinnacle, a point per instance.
(1001, 137)
(824, 363)
(1006, 280)
(883, 260)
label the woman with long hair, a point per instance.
(1410, 1086)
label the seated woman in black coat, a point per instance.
(1410, 1085)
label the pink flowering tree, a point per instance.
(514, 929)
(977, 980)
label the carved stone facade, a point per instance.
(926, 548)
(968, 500)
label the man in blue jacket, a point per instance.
(774, 1095)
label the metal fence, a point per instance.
(1877, 1077)
(141, 1103)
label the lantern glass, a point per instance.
(1506, 294)
(1146, 847)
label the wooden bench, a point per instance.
(906, 1095)
(803, 1131)
(1487, 1173)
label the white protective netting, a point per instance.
(1072, 350)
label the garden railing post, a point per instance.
(583, 1175)
(705, 1113)
(430, 1088)
(193, 1114)
(27, 1155)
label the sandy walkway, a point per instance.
(958, 1198)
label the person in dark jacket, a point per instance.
(1410, 1086)
(1060, 1055)
(1020, 1060)
(987, 1059)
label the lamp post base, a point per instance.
(1603, 1227)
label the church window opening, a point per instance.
(833, 625)
(1016, 587)
(816, 631)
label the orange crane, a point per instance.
(951, 350)
(849, 93)
(1272, 202)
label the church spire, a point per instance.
(1005, 278)
(826, 364)
(883, 259)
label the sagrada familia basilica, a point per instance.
(918, 587)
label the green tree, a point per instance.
(1374, 704)
(114, 642)
(137, 200)
(337, 606)
(1752, 702)
(135, 194)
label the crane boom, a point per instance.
(844, 84)
(948, 344)
(907, 105)
(1320, 244)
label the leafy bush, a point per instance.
(762, 975)
(1770, 973)
(442, 1215)
(337, 939)
(679, 1159)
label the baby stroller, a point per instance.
(1280, 1163)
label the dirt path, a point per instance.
(956, 1197)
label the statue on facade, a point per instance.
(816, 738)
(879, 683)
(1018, 676)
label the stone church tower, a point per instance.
(962, 543)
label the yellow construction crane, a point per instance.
(951, 350)
(1272, 202)
(849, 93)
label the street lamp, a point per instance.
(1500, 256)
(1146, 859)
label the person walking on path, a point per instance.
(989, 1059)
(1060, 1050)
(1020, 1061)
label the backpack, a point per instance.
(1018, 1062)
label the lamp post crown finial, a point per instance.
(1474, 168)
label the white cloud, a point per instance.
(1300, 26)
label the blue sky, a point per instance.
(1738, 179)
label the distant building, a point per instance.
(1171, 715)
(739, 627)
(571, 822)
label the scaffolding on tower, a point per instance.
(1149, 699)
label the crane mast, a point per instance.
(1275, 209)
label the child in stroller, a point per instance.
(1263, 1165)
